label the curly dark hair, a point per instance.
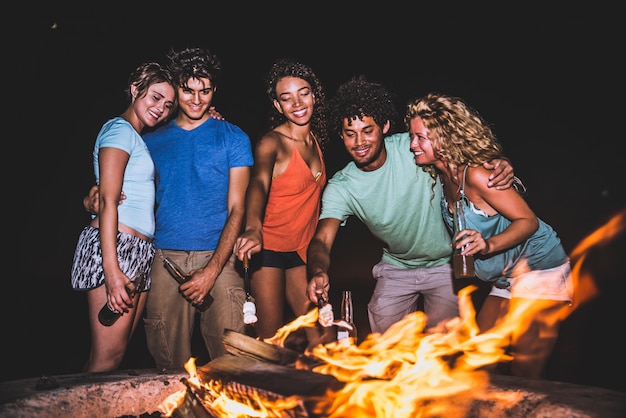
(287, 67)
(359, 98)
(193, 63)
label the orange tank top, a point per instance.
(293, 206)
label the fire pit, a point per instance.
(117, 394)
(138, 393)
(283, 383)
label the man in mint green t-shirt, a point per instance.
(397, 201)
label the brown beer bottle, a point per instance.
(107, 315)
(181, 277)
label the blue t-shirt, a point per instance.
(137, 211)
(192, 175)
(399, 203)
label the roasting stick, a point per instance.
(249, 308)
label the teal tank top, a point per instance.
(542, 250)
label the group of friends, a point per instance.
(192, 189)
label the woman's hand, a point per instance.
(473, 241)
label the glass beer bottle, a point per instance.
(346, 334)
(107, 315)
(463, 265)
(181, 277)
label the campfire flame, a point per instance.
(406, 372)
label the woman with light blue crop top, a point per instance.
(513, 249)
(115, 249)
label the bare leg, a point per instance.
(267, 286)
(493, 310)
(300, 305)
(108, 344)
(532, 346)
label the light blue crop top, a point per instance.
(137, 211)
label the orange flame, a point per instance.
(307, 320)
(406, 372)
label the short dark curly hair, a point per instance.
(194, 63)
(288, 67)
(358, 98)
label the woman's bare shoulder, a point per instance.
(272, 142)
(477, 177)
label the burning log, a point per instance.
(283, 381)
(260, 376)
(243, 345)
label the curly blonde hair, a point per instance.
(457, 132)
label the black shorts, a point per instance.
(281, 260)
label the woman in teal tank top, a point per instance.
(513, 249)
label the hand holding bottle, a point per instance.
(107, 315)
(463, 264)
(181, 277)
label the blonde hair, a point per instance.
(457, 132)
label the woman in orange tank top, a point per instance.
(284, 196)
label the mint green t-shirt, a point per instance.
(397, 203)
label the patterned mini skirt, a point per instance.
(134, 256)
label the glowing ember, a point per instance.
(406, 372)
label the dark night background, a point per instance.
(550, 83)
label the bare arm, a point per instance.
(203, 280)
(251, 240)
(318, 258)
(509, 204)
(112, 163)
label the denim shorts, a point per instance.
(134, 256)
(551, 284)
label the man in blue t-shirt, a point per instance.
(202, 171)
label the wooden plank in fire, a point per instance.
(254, 371)
(278, 379)
(243, 345)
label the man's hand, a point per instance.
(318, 287)
(200, 284)
(91, 202)
(502, 176)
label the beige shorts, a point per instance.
(552, 284)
